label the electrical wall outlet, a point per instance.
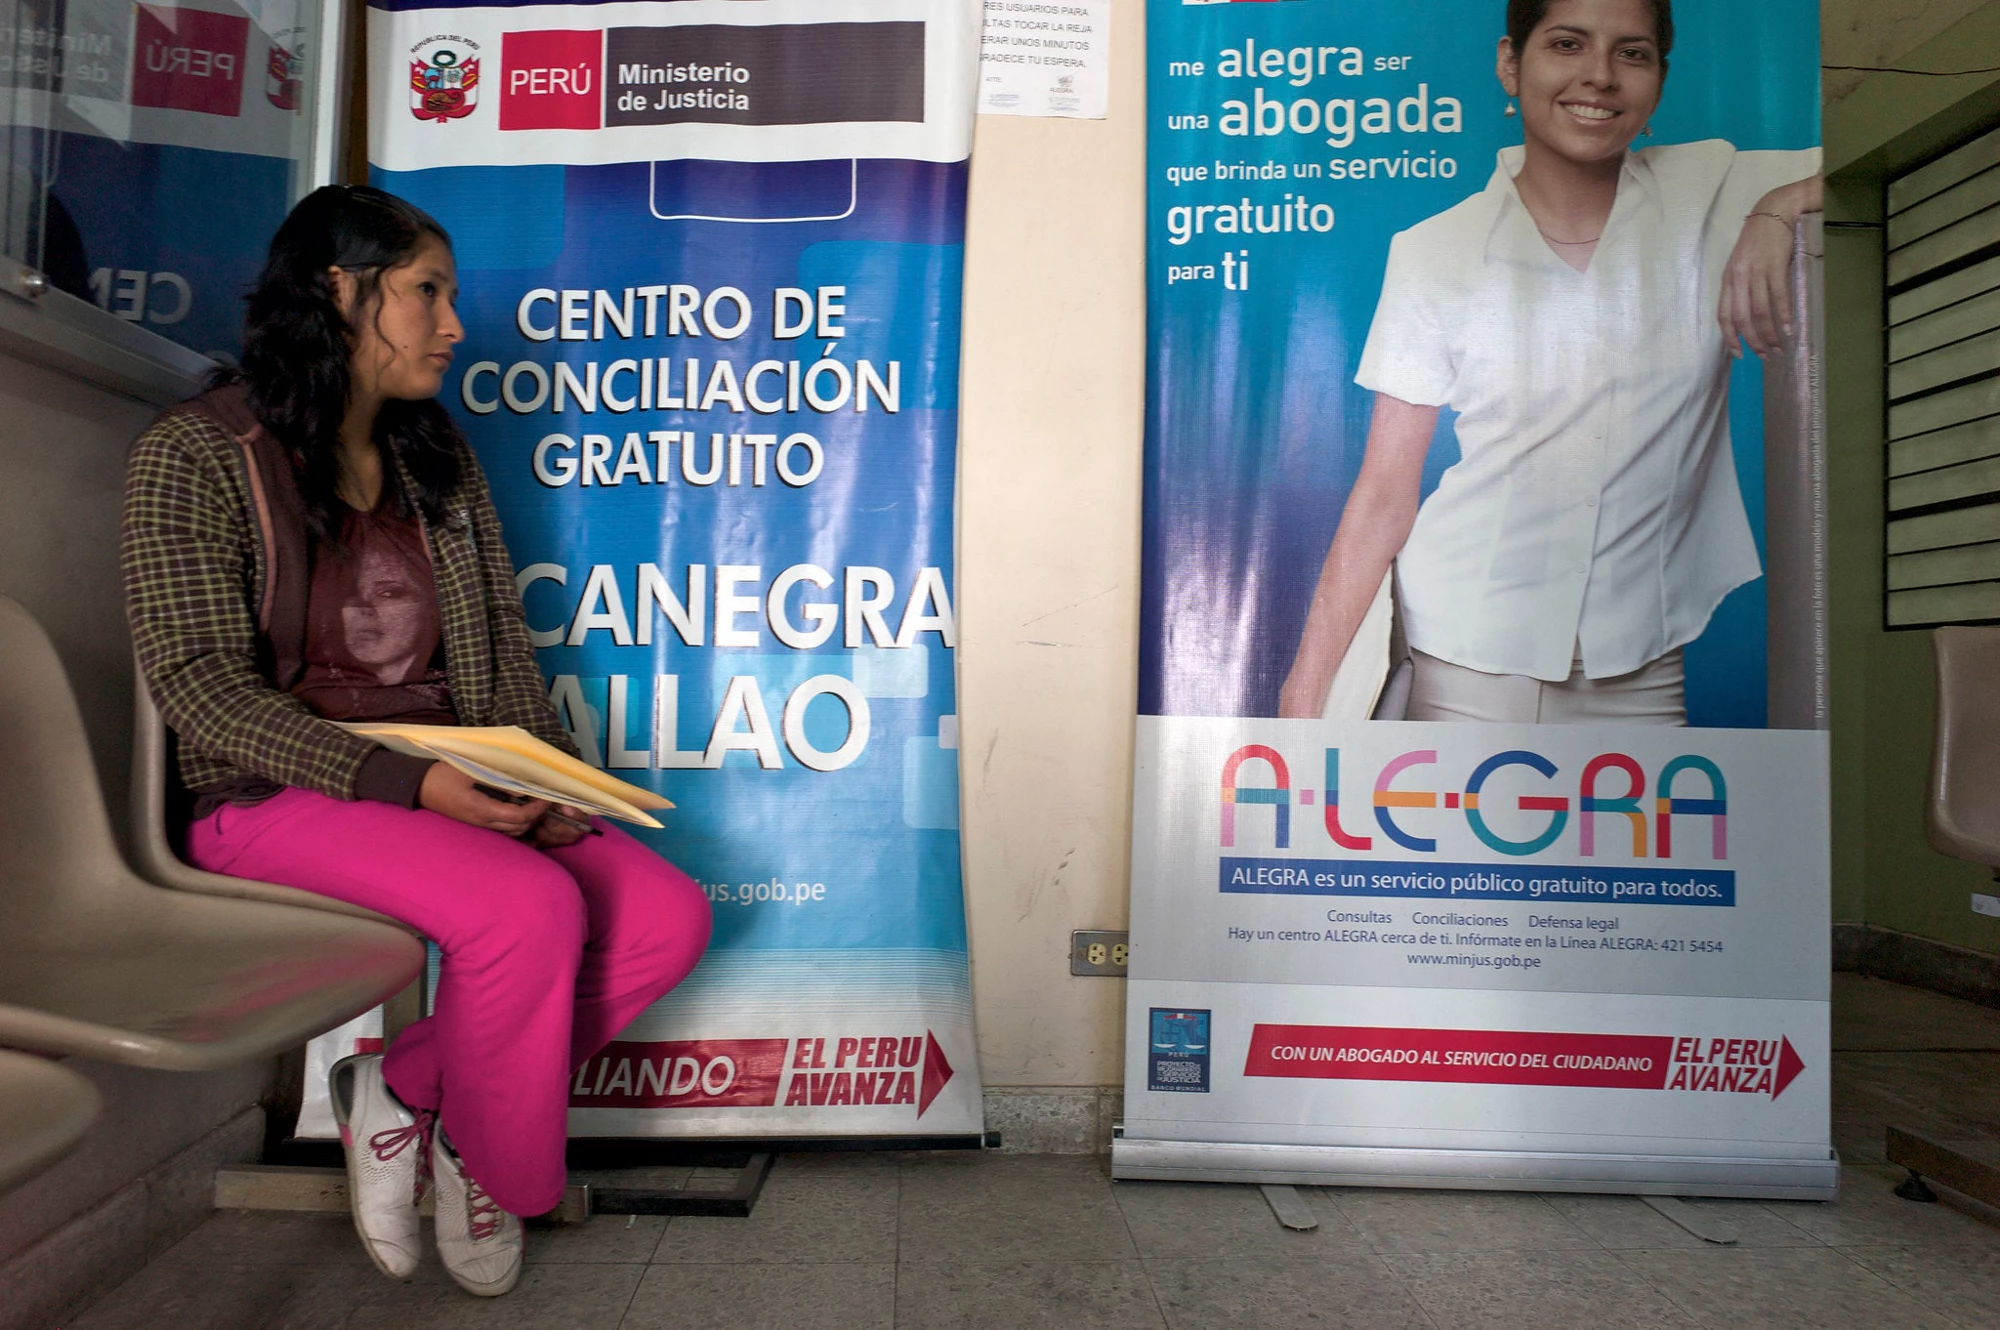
(1984, 904)
(1099, 951)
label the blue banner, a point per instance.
(711, 297)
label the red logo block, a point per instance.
(1753, 1066)
(189, 60)
(1467, 1057)
(551, 80)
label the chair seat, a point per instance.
(180, 982)
(45, 1109)
(94, 960)
(1962, 818)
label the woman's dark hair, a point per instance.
(1524, 16)
(296, 348)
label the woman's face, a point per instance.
(403, 339)
(1588, 77)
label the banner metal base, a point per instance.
(1762, 1179)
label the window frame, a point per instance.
(76, 337)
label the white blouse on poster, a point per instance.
(1595, 505)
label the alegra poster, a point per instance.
(710, 259)
(1466, 848)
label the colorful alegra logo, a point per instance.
(1671, 799)
(444, 79)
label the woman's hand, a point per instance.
(1381, 509)
(1303, 696)
(1757, 285)
(449, 791)
(552, 832)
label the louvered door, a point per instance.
(1944, 390)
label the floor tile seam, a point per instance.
(1921, 1246)
(1379, 1250)
(1152, 1291)
(665, 1229)
(1591, 1243)
(1132, 1239)
(768, 1265)
(1568, 1223)
(1667, 1294)
(1317, 1260)
(966, 1261)
(1815, 1240)
(637, 1284)
(1910, 1293)
(1406, 1286)
(1886, 1282)
(758, 1265)
(167, 1260)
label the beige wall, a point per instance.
(1881, 33)
(1048, 586)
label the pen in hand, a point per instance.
(507, 796)
(578, 823)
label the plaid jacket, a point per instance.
(216, 572)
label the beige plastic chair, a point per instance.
(96, 961)
(1962, 818)
(155, 789)
(45, 1110)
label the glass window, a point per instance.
(152, 149)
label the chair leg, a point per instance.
(406, 1008)
(283, 1101)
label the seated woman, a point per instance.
(312, 541)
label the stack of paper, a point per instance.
(509, 758)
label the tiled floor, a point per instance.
(1025, 1241)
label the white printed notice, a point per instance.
(1045, 59)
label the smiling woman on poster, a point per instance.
(1579, 314)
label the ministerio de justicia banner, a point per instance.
(1385, 930)
(710, 259)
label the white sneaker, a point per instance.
(384, 1144)
(479, 1243)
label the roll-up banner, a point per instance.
(1481, 825)
(709, 257)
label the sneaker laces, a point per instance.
(482, 1214)
(388, 1144)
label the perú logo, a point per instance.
(444, 80)
(284, 72)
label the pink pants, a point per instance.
(547, 955)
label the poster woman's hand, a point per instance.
(1381, 509)
(1756, 286)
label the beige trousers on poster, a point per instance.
(1655, 694)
